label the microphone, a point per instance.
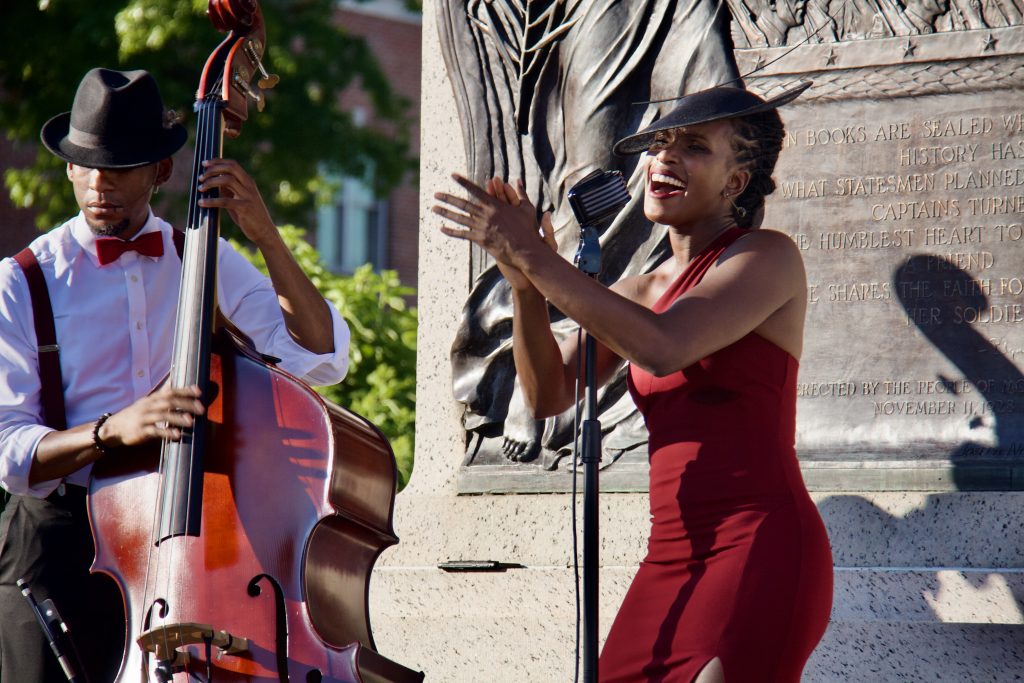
(54, 628)
(597, 198)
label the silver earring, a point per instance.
(156, 189)
(739, 210)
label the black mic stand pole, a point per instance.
(588, 260)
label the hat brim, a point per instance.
(681, 116)
(54, 135)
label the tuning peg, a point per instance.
(267, 80)
(254, 93)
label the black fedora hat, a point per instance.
(713, 104)
(117, 121)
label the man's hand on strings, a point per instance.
(162, 414)
(239, 196)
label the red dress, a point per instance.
(738, 563)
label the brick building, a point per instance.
(361, 227)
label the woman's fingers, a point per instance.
(548, 231)
(509, 193)
(471, 187)
(491, 216)
(454, 216)
(460, 233)
(466, 216)
(521, 189)
(458, 202)
(505, 192)
(524, 199)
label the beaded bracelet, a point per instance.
(96, 441)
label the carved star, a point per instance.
(908, 49)
(830, 58)
(990, 43)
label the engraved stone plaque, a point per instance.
(902, 182)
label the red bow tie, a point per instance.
(109, 249)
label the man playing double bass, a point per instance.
(112, 275)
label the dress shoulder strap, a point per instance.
(697, 268)
(54, 413)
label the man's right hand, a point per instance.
(160, 415)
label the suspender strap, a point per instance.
(54, 414)
(179, 242)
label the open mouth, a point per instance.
(663, 185)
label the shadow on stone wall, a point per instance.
(925, 589)
(955, 301)
(891, 597)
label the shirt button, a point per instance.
(140, 373)
(138, 325)
(135, 278)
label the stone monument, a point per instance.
(901, 183)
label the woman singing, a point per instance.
(736, 586)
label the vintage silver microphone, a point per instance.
(595, 200)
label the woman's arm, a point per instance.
(759, 275)
(546, 370)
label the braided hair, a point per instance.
(756, 142)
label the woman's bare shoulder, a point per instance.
(777, 246)
(768, 238)
(761, 258)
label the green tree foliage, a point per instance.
(301, 137)
(46, 46)
(381, 381)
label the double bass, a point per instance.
(243, 552)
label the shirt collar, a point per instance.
(87, 240)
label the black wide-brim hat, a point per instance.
(117, 120)
(713, 104)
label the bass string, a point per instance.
(159, 562)
(206, 268)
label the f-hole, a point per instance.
(281, 624)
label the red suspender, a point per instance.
(179, 242)
(54, 413)
(46, 337)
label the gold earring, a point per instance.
(739, 210)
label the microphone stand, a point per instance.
(588, 260)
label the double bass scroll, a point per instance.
(244, 551)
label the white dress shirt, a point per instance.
(115, 328)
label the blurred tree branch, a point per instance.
(46, 46)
